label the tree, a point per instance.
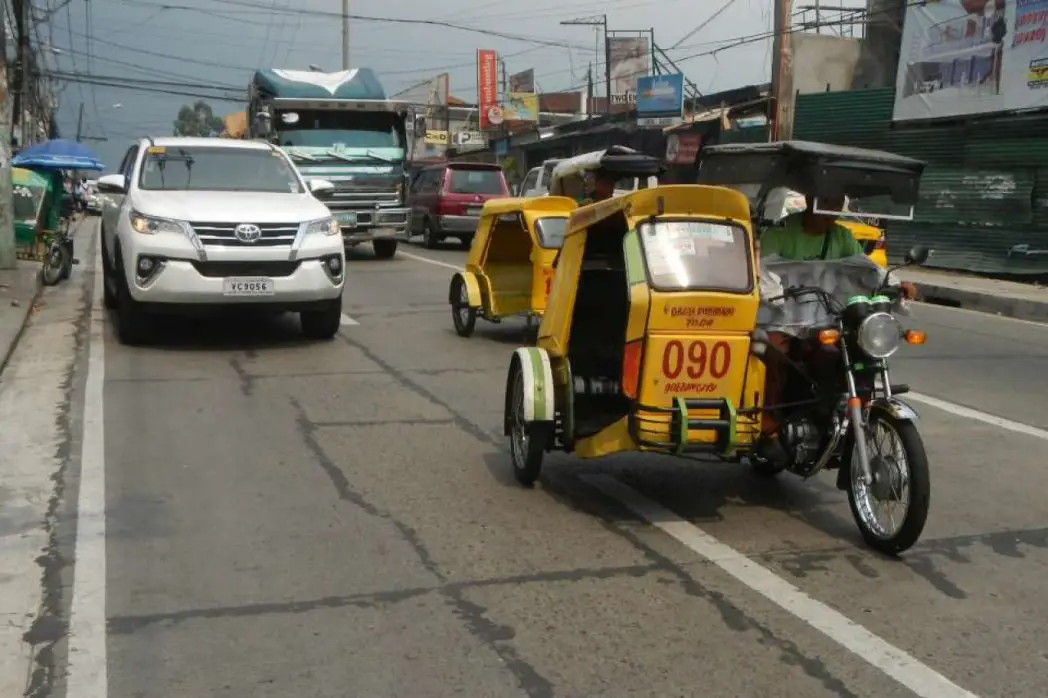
(197, 120)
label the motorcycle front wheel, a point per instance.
(55, 263)
(892, 510)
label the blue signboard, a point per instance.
(660, 100)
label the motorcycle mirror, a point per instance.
(917, 255)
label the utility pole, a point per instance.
(7, 228)
(782, 72)
(345, 34)
(80, 123)
(601, 21)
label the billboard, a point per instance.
(660, 100)
(523, 81)
(629, 58)
(521, 106)
(966, 57)
(487, 88)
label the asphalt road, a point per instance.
(284, 518)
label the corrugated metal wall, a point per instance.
(984, 195)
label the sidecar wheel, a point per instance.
(900, 476)
(527, 440)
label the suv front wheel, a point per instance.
(132, 323)
(324, 323)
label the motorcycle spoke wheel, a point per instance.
(891, 511)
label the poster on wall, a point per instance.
(629, 58)
(967, 57)
(487, 89)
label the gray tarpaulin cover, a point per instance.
(842, 278)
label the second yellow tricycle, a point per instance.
(510, 265)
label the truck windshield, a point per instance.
(218, 169)
(350, 129)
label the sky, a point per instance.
(222, 42)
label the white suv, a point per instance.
(194, 223)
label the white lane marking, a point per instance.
(908, 671)
(427, 260)
(347, 320)
(86, 676)
(969, 413)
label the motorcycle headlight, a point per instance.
(323, 226)
(148, 225)
(880, 335)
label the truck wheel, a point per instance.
(430, 236)
(385, 249)
(322, 324)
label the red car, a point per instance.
(446, 199)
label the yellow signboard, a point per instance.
(436, 138)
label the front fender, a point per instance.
(891, 407)
(472, 288)
(895, 408)
(539, 392)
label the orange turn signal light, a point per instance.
(828, 338)
(631, 369)
(915, 337)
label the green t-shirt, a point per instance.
(791, 242)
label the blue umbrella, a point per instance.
(58, 154)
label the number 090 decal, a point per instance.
(697, 360)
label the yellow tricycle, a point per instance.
(651, 343)
(510, 264)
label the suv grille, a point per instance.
(222, 269)
(222, 234)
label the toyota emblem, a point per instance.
(247, 233)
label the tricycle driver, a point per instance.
(802, 236)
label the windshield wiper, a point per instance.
(297, 154)
(372, 154)
(343, 156)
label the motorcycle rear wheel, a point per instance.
(890, 477)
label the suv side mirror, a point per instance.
(917, 255)
(112, 184)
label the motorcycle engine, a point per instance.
(802, 439)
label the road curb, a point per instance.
(26, 309)
(1008, 306)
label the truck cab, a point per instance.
(341, 128)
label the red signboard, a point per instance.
(487, 89)
(682, 148)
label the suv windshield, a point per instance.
(217, 169)
(476, 182)
(551, 231)
(335, 129)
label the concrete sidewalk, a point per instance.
(1008, 298)
(19, 288)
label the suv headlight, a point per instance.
(880, 335)
(148, 225)
(323, 226)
